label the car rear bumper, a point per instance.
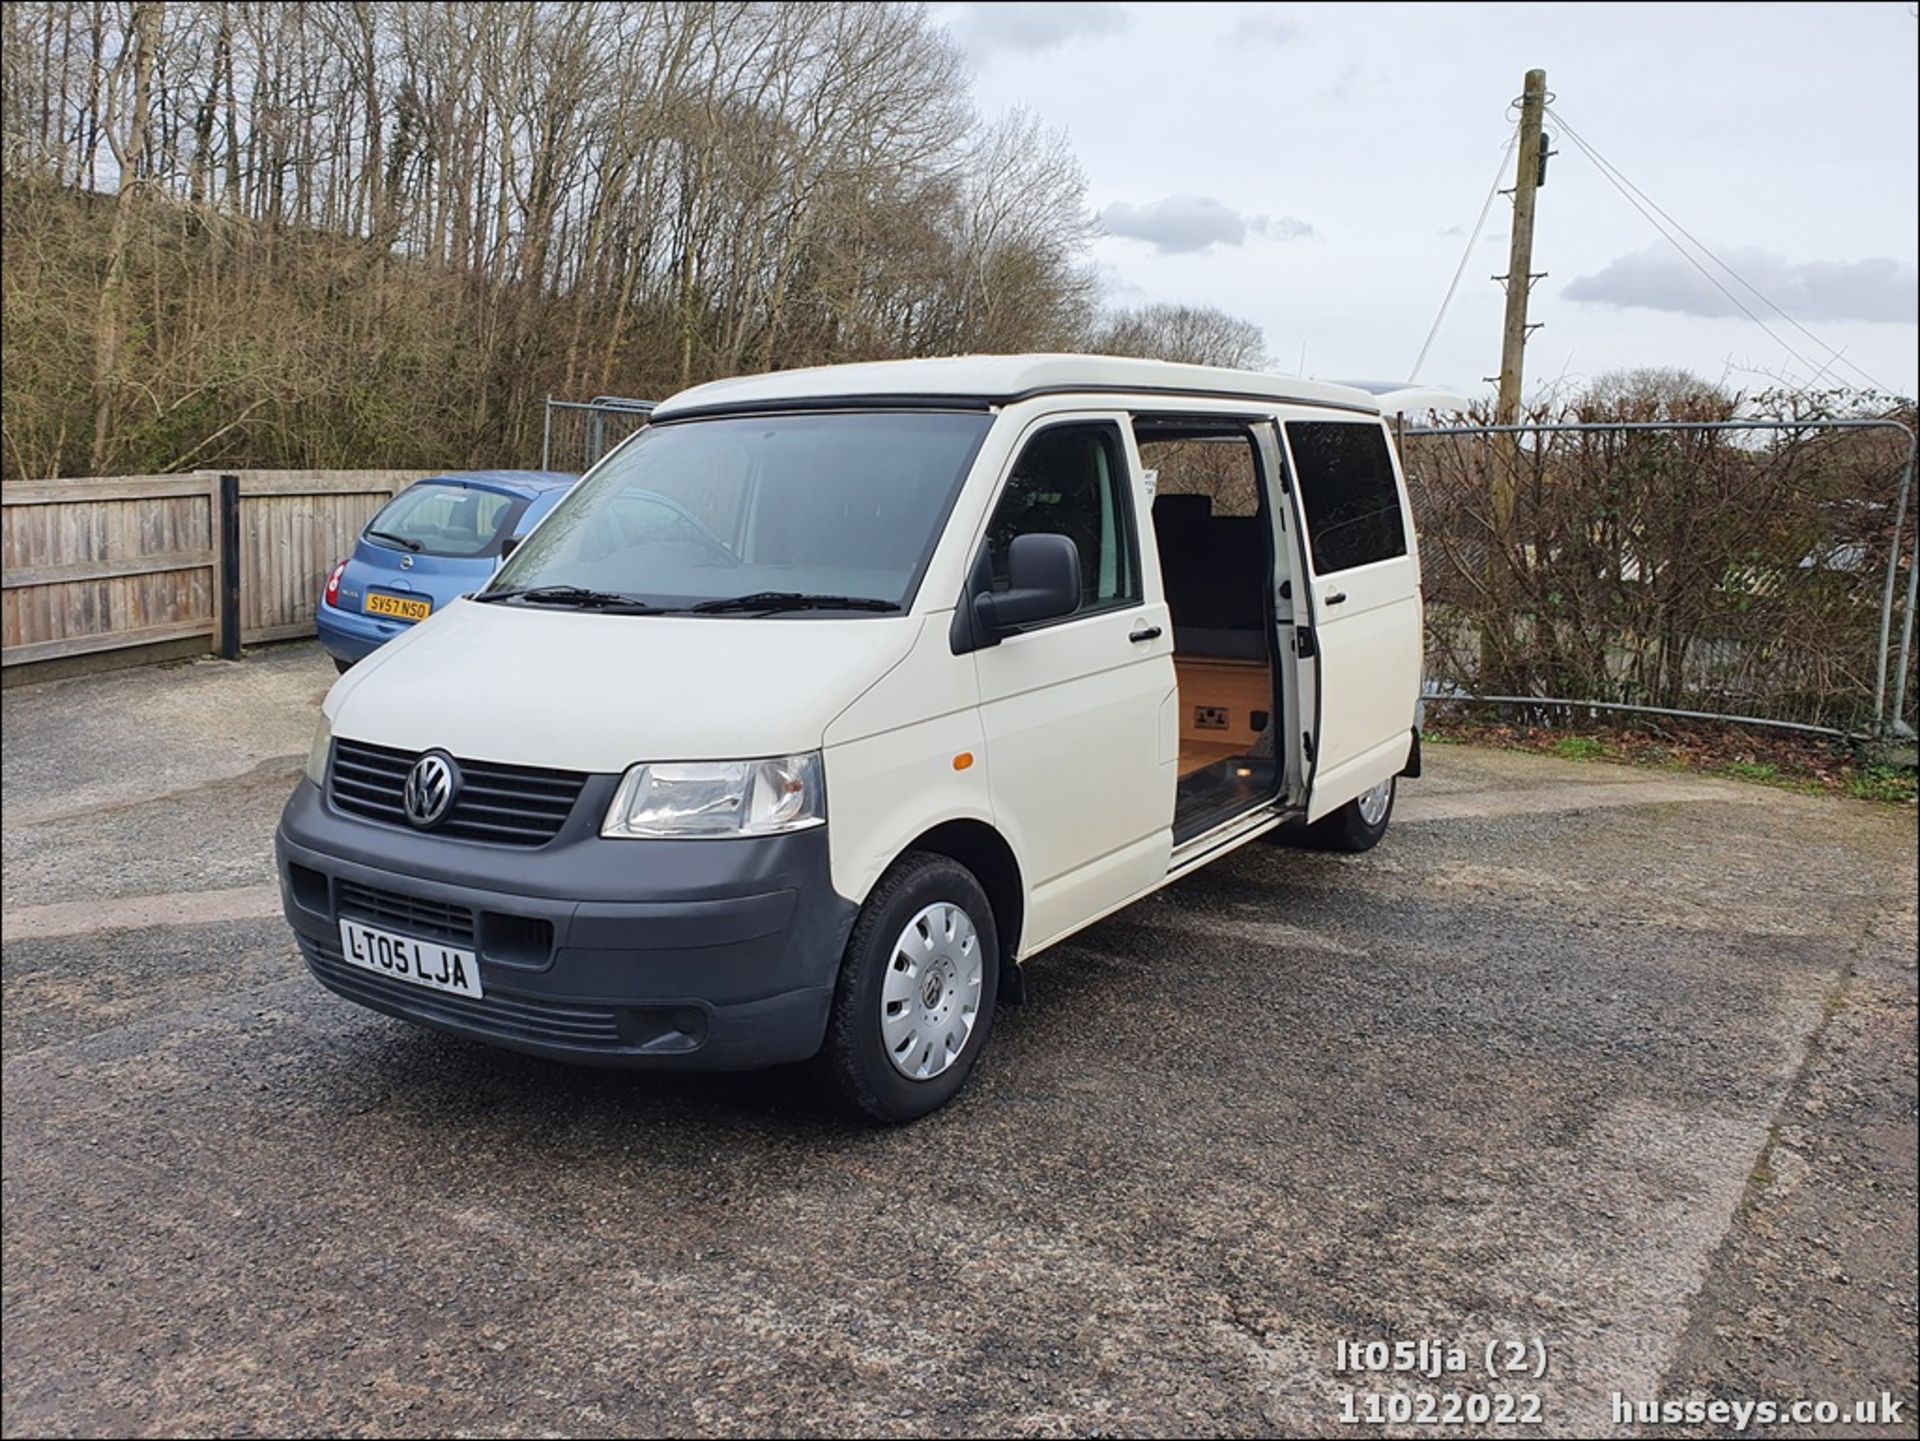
(349, 636)
(717, 955)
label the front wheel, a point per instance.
(916, 993)
(1359, 824)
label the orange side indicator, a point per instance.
(963, 760)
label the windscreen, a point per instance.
(438, 517)
(839, 504)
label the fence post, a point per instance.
(546, 436)
(1898, 719)
(229, 600)
(1883, 724)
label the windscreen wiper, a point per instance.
(579, 597)
(412, 545)
(767, 602)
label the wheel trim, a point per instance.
(930, 1000)
(1373, 803)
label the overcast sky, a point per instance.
(1317, 168)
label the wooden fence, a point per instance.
(95, 566)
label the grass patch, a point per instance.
(1581, 748)
(1889, 784)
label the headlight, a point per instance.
(706, 799)
(317, 752)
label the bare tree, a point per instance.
(129, 92)
(347, 231)
(1193, 334)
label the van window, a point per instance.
(1213, 533)
(444, 518)
(1071, 480)
(1346, 484)
(837, 504)
(1189, 458)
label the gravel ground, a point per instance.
(1619, 1061)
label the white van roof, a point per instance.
(1407, 397)
(993, 379)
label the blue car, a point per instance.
(438, 539)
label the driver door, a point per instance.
(1072, 708)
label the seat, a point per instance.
(1214, 571)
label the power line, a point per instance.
(1627, 188)
(1685, 254)
(1466, 254)
(1838, 355)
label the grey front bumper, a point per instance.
(718, 955)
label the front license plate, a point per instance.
(399, 609)
(420, 963)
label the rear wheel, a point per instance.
(916, 993)
(1359, 824)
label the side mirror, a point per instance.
(508, 545)
(1045, 575)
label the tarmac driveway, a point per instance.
(1613, 1060)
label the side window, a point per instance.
(1346, 484)
(1071, 480)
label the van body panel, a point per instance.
(1005, 379)
(1071, 711)
(1367, 641)
(585, 692)
(907, 755)
(1097, 888)
(1370, 660)
(1299, 694)
(1361, 773)
(1074, 761)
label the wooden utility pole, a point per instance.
(1519, 276)
(1504, 473)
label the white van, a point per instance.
(833, 695)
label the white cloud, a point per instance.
(989, 29)
(1659, 278)
(1261, 29)
(1184, 224)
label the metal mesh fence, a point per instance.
(1759, 570)
(578, 433)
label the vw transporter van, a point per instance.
(832, 696)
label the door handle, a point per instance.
(1145, 633)
(1339, 597)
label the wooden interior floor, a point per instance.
(1228, 693)
(1198, 755)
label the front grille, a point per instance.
(508, 1018)
(504, 805)
(409, 914)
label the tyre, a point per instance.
(1357, 825)
(914, 1003)
(343, 666)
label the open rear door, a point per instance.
(1361, 630)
